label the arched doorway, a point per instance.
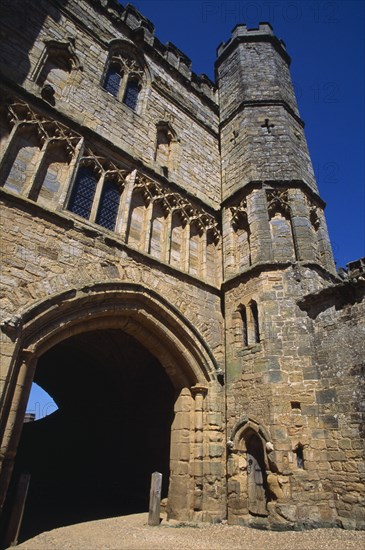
(94, 457)
(248, 469)
(120, 317)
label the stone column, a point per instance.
(38, 162)
(14, 422)
(166, 243)
(199, 392)
(180, 505)
(66, 185)
(146, 230)
(228, 244)
(258, 219)
(185, 248)
(301, 225)
(125, 204)
(96, 200)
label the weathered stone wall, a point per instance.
(262, 135)
(256, 58)
(211, 284)
(287, 384)
(338, 324)
(45, 254)
(162, 158)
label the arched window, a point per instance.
(54, 66)
(113, 79)
(125, 74)
(83, 192)
(108, 205)
(131, 94)
(166, 146)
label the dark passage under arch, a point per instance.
(94, 457)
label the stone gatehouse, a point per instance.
(168, 278)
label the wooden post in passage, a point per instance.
(18, 511)
(155, 499)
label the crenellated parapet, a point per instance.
(241, 33)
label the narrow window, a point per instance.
(255, 319)
(112, 80)
(300, 458)
(108, 206)
(131, 94)
(244, 326)
(83, 192)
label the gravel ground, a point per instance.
(133, 533)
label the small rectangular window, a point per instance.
(300, 456)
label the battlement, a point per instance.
(356, 268)
(241, 33)
(143, 31)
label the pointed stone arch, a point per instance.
(139, 312)
(57, 61)
(249, 470)
(127, 75)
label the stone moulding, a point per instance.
(52, 319)
(245, 423)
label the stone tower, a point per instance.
(275, 249)
(166, 257)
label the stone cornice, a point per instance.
(247, 188)
(67, 220)
(261, 103)
(261, 267)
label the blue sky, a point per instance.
(326, 43)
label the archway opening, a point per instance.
(94, 456)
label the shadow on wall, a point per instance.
(21, 22)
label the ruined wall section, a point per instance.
(273, 383)
(338, 319)
(81, 49)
